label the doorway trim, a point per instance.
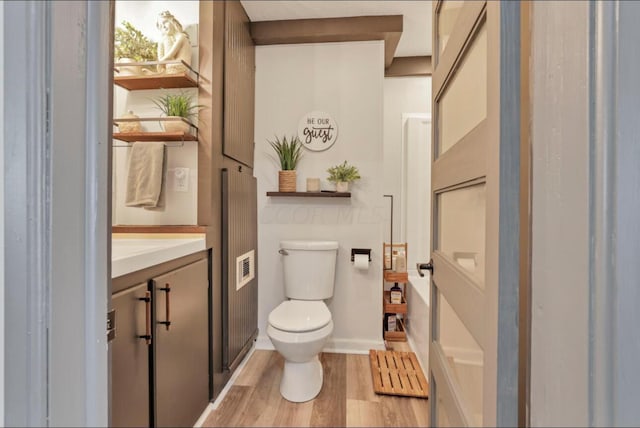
(57, 138)
(26, 220)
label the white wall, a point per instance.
(402, 95)
(143, 15)
(345, 80)
(180, 207)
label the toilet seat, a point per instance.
(299, 316)
(299, 338)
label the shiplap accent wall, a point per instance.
(239, 86)
(239, 236)
(345, 80)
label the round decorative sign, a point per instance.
(317, 130)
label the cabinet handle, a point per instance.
(167, 306)
(147, 307)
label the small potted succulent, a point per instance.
(342, 175)
(175, 107)
(289, 153)
(130, 45)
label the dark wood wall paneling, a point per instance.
(351, 29)
(240, 307)
(227, 82)
(404, 66)
(211, 60)
(348, 29)
(239, 85)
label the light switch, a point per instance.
(181, 179)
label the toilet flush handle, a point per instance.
(283, 252)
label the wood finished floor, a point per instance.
(346, 400)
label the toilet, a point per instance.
(300, 326)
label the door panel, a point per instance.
(461, 231)
(463, 105)
(446, 19)
(130, 359)
(465, 22)
(443, 416)
(475, 185)
(462, 293)
(445, 391)
(239, 85)
(463, 355)
(240, 243)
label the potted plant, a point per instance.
(175, 107)
(130, 45)
(289, 153)
(342, 175)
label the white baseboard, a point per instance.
(203, 417)
(263, 342)
(352, 346)
(338, 346)
(424, 365)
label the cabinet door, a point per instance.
(239, 85)
(130, 358)
(239, 286)
(181, 345)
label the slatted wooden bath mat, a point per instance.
(397, 373)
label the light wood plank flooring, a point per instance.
(346, 400)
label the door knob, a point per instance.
(427, 266)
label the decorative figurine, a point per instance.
(174, 45)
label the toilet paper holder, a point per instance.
(355, 251)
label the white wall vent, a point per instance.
(245, 269)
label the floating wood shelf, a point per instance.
(394, 308)
(130, 137)
(164, 81)
(393, 276)
(311, 194)
(400, 335)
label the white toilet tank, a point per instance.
(309, 269)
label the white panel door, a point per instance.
(474, 184)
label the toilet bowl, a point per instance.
(298, 330)
(300, 326)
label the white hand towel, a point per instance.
(145, 176)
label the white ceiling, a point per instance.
(416, 34)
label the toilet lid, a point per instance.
(300, 315)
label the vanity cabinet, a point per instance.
(130, 363)
(181, 345)
(160, 353)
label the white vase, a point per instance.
(342, 186)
